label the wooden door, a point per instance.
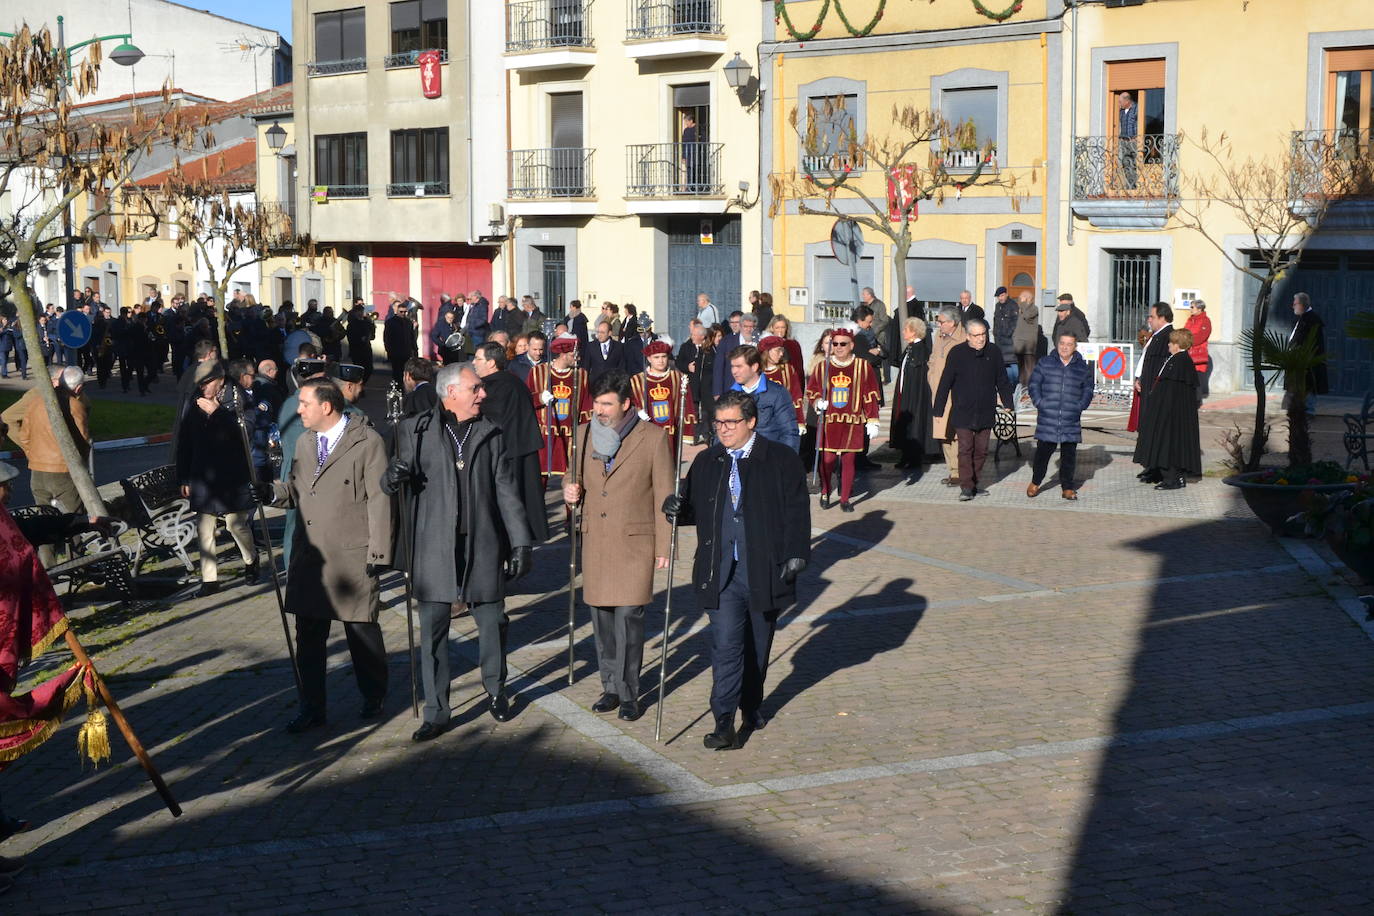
(1018, 274)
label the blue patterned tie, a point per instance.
(735, 455)
(324, 453)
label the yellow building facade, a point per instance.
(633, 164)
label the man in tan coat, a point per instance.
(949, 333)
(29, 427)
(626, 469)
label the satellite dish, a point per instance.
(846, 241)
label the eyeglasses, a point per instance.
(840, 343)
(727, 424)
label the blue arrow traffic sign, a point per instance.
(74, 329)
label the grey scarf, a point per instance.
(606, 439)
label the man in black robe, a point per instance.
(507, 404)
(1160, 321)
(911, 400)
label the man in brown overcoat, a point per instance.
(949, 333)
(342, 544)
(627, 471)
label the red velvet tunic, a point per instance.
(785, 376)
(657, 396)
(543, 378)
(853, 395)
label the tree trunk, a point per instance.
(901, 245)
(1261, 320)
(76, 465)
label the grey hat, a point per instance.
(7, 472)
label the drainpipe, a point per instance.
(1044, 158)
(472, 223)
(1073, 114)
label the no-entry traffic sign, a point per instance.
(1111, 362)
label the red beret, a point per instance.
(657, 346)
(842, 332)
(771, 341)
(564, 344)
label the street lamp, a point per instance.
(276, 135)
(737, 73)
(126, 55)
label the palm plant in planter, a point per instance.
(1346, 521)
(1295, 361)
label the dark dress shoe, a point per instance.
(724, 738)
(754, 721)
(429, 731)
(252, 574)
(965, 495)
(630, 710)
(1150, 476)
(846, 507)
(607, 702)
(372, 709)
(825, 500)
(207, 589)
(500, 708)
(1176, 483)
(307, 720)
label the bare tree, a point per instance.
(1280, 200)
(923, 158)
(50, 155)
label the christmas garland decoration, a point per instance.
(998, 17)
(783, 18)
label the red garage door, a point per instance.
(452, 269)
(390, 274)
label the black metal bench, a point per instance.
(92, 559)
(1358, 433)
(160, 515)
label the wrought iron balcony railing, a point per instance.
(532, 25)
(542, 174)
(1145, 168)
(329, 67)
(673, 170)
(345, 190)
(671, 18)
(1339, 163)
(833, 164)
(966, 160)
(411, 58)
(417, 189)
(280, 224)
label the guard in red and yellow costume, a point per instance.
(551, 386)
(656, 390)
(782, 373)
(844, 392)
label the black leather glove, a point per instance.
(521, 559)
(376, 569)
(397, 474)
(672, 508)
(262, 493)
(791, 569)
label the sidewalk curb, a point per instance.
(110, 445)
(1343, 593)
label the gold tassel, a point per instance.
(93, 741)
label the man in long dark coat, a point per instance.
(1160, 322)
(1170, 443)
(1309, 326)
(507, 404)
(335, 485)
(911, 401)
(472, 535)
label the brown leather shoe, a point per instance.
(1069, 494)
(1032, 490)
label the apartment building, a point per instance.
(633, 171)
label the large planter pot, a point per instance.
(1359, 559)
(1274, 504)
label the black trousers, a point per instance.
(741, 642)
(364, 644)
(398, 366)
(619, 633)
(1068, 462)
(128, 368)
(492, 626)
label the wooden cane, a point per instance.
(571, 476)
(125, 728)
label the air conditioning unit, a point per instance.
(496, 214)
(799, 295)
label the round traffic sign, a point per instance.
(1112, 363)
(846, 241)
(74, 329)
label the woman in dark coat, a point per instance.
(1170, 444)
(212, 470)
(911, 401)
(1061, 388)
(699, 383)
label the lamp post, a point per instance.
(276, 135)
(126, 54)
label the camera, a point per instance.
(304, 368)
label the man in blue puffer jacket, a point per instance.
(1061, 388)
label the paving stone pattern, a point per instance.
(1138, 702)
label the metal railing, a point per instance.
(670, 18)
(1144, 168)
(966, 160)
(417, 189)
(1336, 162)
(330, 67)
(673, 170)
(279, 224)
(833, 163)
(411, 58)
(535, 24)
(345, 190)
(540, 174)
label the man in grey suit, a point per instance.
(468, 510)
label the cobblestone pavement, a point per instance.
(1137, 702)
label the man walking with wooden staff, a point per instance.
(626, 472)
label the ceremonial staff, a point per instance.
(574, 410)
(672, 558)
(236, 395)
(394, 412)
(548, 428)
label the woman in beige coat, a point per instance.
(949, 333)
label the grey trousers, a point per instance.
(492, 624)
(619, 633)
(54, 488)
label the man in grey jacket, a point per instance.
(468, 509)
